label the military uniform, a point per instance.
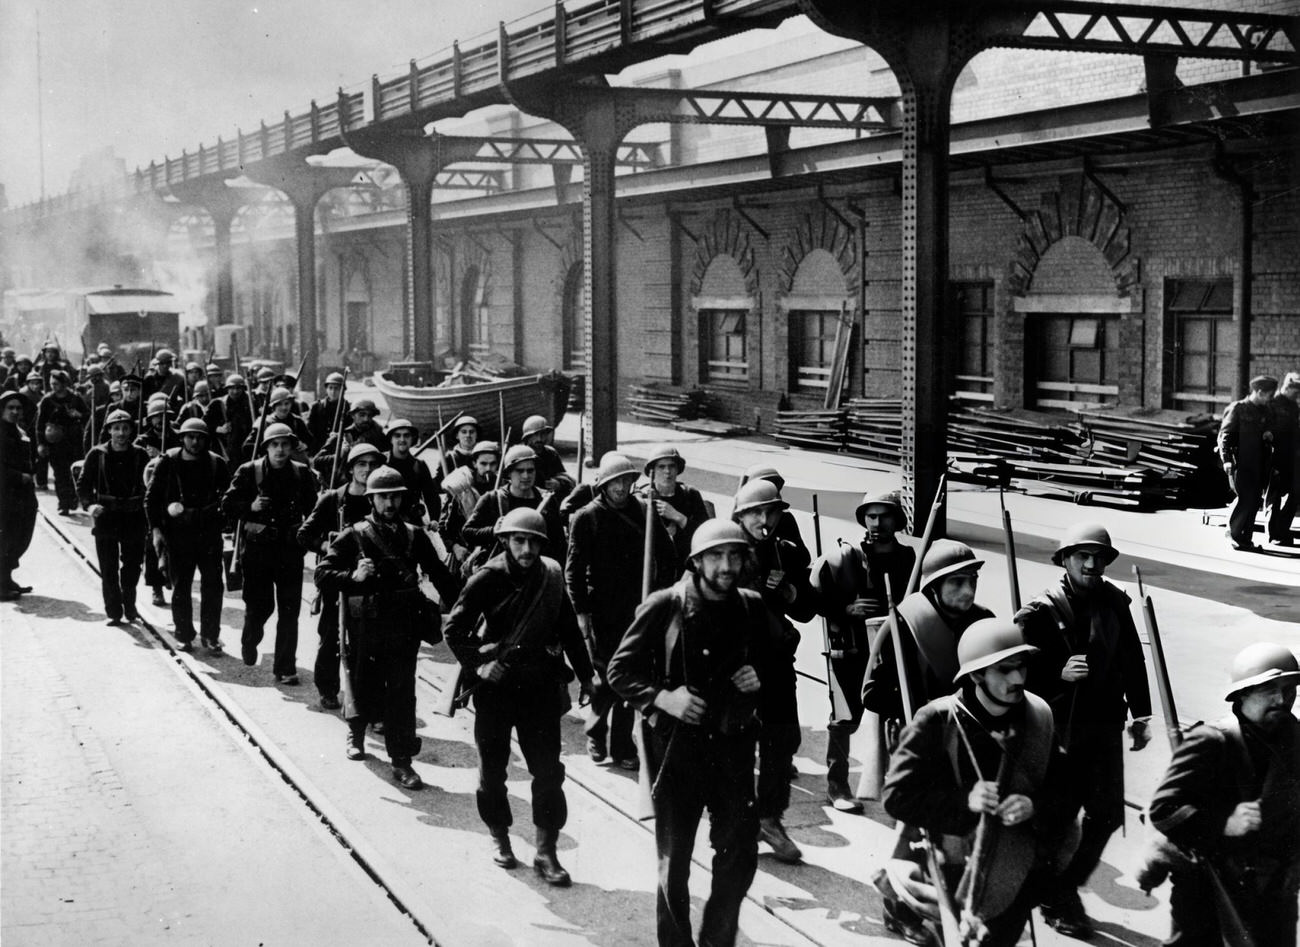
(234, 409)
(477, 533)
(59, 421)
(272, 557)
(114, 480)
(422, 497)
(322, 418)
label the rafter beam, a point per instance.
(637, 155)
(769, 109)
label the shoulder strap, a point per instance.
(674, 630)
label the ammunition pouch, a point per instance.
(122, 504)
(399, 610)
(200, 517)
(261, 534)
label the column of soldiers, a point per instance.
(1008, 728)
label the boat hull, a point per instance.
(546, 394)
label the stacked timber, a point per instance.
(1179, 447)
(874, 428)
(819, 429)
(666, 403)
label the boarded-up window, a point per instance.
(1199, 317)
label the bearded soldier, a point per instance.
(985, 754)
(519, 474)
(851, 581)
(695, 662)
(680, 506)
(1090, 667)
(183, 505)
(59, 421)
(464, 486)
(376, 564)
(603, 572)
(334, 510)
(111, 487)
(528, 626)
(1229, 800)
(271, 496)
(778, 572)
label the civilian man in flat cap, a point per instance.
(1245, 446)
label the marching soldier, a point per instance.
(552, 476)
(851, 582)
(193, 375)
(322, 417)
(197, 406)
(422, 498)
(285, 380)
(519, 473)
(1090, 668)
(216, 379)
(362, 428)
(8, 362)
(271, 496)
(262, 386)
(985, 754)
(1284, 483)
(59, 421)
(334, 510)
(18, 511)
(111, 487)
(680, 506)
(464, 487)
(159, 433)
(461, 453)
(695, 662)
(96, 385)
(50, 361)
(166, 380)
(231, 417)
(528, 626)
(16, 379)
(778, 572)
(1228, 800)
(1245, 437)
(183, 505)
(605, 563)
(281, 412)
(374, 563)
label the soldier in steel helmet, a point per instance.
(231, 417)
(334, 510)
(518, 490)
(182, 502)
(59, 422)
(362, 427)
(787, 527)
(551, 475)
(111, 487)
(322, 417)
(271, 496)
(1229, 801)
(464, 486)
(376, 563)
(166, 380)
(197, 406)
(695, 662)
(604, 571)
(216, 379)
(778, 571)
(1091, 668)
(263, 384)
(282, 412)
(17, 491)
(850, 579)
(681, 507)
(423, 501)
(521, 683)
(159, 430)
(986, 753)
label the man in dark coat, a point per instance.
(423, 501)
(59, 422)
(551, 475)
(604, 574)
(520, 680)
(681, 506)
(519, 474)
(323, 415)
(1091, 669)
(1244, 446)
(18, 511)
(1229, 798)
(1284, 482)
(231, 417)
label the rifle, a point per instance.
(444, 462)
(501, 468)
(345, 673)
(88, 433)
(501, 422)
(235, 580)
(338, 436)
(1009, 544)
(839, 700)
(435, 436)
(950, 928)
(647, 551)
(582, 444)
(1163, 687)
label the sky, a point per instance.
(151, 77)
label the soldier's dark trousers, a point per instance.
(702, 771)
(153, 574)
(326, 670)
(534, 714)
(1283, 501)
(61, 457)
(777, 744)
(1269, 914)
(849, 673)
(383, 682)
(17, 523)
(273, 583)
(1249, 487)
(120, 551)
(614, 730)
(1095, 784)
(188, 552)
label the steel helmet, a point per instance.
(534, 424)
(947, 557)
(757, 494)
(988, 641)
(521, 520)
(1085, 534)
(193, 367)
(118, 417)
(517, 455)
(278, 432)
(665, 452)
(333, 378)
(23, 359)
(236, 381)
(1261, 663)
(763, 471)
(384, 480)
(486, 447)
(114, 386)
(95, 369)
(280, 394)
(714, 533)
(194, 426)
(212, 368)
(401, 424)
(265, 374)
(156, 407)
(614, 466)
(887, 498)
(463, 421)
(8, 396)
(103, 349)
(359, 451)
(201, 388)
(365, 404)
(165, 355)
(50, 346)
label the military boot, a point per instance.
(545, 863)
(502, 854)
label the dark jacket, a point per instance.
(292, 492)
(477, 531)
(422, 497)
(65, 412)
(320, 526)
(1241, 435)
(847, 572)
(690, 503)
(321, 418)
(196, 484)
(115, 480)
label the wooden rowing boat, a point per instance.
(545, 394)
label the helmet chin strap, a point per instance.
(991, 699)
